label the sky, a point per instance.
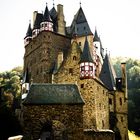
(117, 22)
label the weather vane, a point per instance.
(80, 3)
(53, 3)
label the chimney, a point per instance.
(61, 20)
(124, 79)
(34, 16)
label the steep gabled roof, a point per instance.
(86, 55)
(40, 94)
(38, 20)
(53, 13)
(107, 74)
(46, 16)
(96, 37)
(29, 31)
(80, 16)
(80, 25)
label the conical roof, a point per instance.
(46, 16)
(29, 31)
(86, 55)
(53, 13)
(80, 26)
(96, 37)
(38, 20)
(107, 74)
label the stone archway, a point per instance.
(53, 130)
(47, 131)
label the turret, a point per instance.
(46, 24)
(87, 67)
(37, 20)
(61, 20)
(96, 43)
(28, 36)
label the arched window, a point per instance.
(74, 57)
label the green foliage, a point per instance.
(10, 81)
(133, 78)
(10, 85)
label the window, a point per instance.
(103, 124)
(70, 71)
(110, 101)
(74, 57)
(82, 68)
(120, 101)
(121, 119)
(100, 106)
(84, 28)
(79, 43)
(82, 85)
(91, 68)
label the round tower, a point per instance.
(87, 67)
(46, 24)
(28, 36)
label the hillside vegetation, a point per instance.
(133, 79)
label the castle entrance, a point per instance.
(47, 132)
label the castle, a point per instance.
(70, 90)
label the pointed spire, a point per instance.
(80, 3)
(86, 55)
(29, 31)
(96, 37)
(108, 74)
(46, 16)
(53, 3)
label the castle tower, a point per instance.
(97, 52)
(28, 36)
(87, 68)
(60, 19)
(121, 101)
(46, 24)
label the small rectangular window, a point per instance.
(110, 101)
(82, 85)
(70, 71)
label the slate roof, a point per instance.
(53, 13)
(107, 74)
(29, 31)
(96, 37)
(40, 94)
(86, 55)
(46, 16)
(38, 20)
(80, 25)
(101, 49)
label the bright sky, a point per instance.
(117, 23)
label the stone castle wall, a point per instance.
(96, 109)
(64, 118)
(41, 55)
